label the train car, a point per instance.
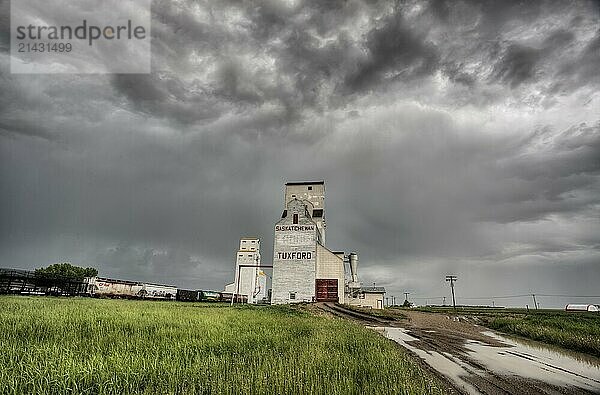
(210, 296)
(112, 288)
(186, 295)
(226, 297)
(158, 291)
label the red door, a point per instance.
(326, 290)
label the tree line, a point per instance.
(66, 270)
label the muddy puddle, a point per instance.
(512, 362)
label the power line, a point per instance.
(529, 295)
(571, 296)
(510, 296)
(498, 297)
(427, 297)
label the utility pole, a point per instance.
(534, 302)
(451, 279)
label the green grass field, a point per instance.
(93, 346)
(579, 331)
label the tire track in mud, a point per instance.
(479, 376)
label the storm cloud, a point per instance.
(454, 137)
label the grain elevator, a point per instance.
(304, 269)
(250, 280)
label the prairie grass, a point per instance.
(578, 331)
(574, 331)
(95, 346)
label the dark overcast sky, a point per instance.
(457, 137)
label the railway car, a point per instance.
(186, 295)
(110, 287)
(226, 297)
(210, 296)
(158, 291)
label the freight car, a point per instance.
(186, 295)
(211, 296)
(226, 297)
(113, 288)
(158, 291)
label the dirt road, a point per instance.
(477, 360)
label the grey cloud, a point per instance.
(146, 264)
(483, 180)
(495, 16)
(518, 65)
(167, 96)
(582, 70)
(573, 152)
(559, 39)
(233, 86)
(25, 128)
(394, 52)
(452, 137)
(4, 26)
(456, 75)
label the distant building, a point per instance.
(582, 307)
(249, 281)
(371, 297)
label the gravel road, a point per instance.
(477, 360)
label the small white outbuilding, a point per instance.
(582, 307)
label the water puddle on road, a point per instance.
(445, 363)
(537, 361)
(517, 358)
